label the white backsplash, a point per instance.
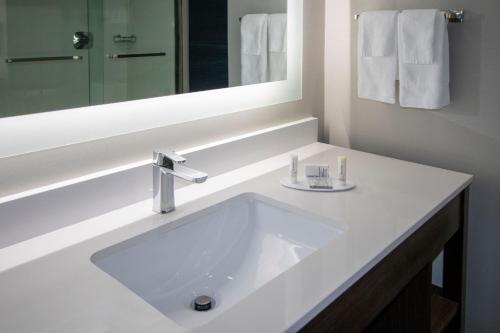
(40, 211)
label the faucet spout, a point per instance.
(186, 173)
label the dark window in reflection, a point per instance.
(208, 45)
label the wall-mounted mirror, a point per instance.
(61, 54)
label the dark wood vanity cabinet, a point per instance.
(397, 295)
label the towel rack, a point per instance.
(452, 15)
(40, 59)
(136, 55)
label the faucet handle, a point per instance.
(167, 158)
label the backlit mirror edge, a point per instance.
(38, 132)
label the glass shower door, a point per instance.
(62, 54)
(44, 55)
(139, 48)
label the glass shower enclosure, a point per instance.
(60, 54)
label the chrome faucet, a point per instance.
(166, 165)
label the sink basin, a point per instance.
(225, 252)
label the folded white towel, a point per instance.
(377, 56)
(418, 31)
(254, 48)
(425, 86)
(277, 35)
(277, 32)
(379, 33)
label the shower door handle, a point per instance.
(82, 40)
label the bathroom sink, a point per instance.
(217, 256)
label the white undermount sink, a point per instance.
(225, 252)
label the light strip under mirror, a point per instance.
(37, 132)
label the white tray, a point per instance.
(303, 185)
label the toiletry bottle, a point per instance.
(342, 169)
(294, 167)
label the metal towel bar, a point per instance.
(452, 15)
(136, 55)
(41, 59)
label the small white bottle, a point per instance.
(342, 169)
(294, 168)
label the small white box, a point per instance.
(317, 170)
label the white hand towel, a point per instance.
(277, 47)
(378, 31)
(377, 56)
(418, 30)
(254, 48)
(425, 86)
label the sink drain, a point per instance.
(203, 303)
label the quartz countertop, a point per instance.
(49, 284)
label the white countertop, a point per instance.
(48, 284)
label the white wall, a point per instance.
(237, 9)
(464, 136)
(338, 72)
(42, 168)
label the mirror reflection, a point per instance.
(60, 54)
